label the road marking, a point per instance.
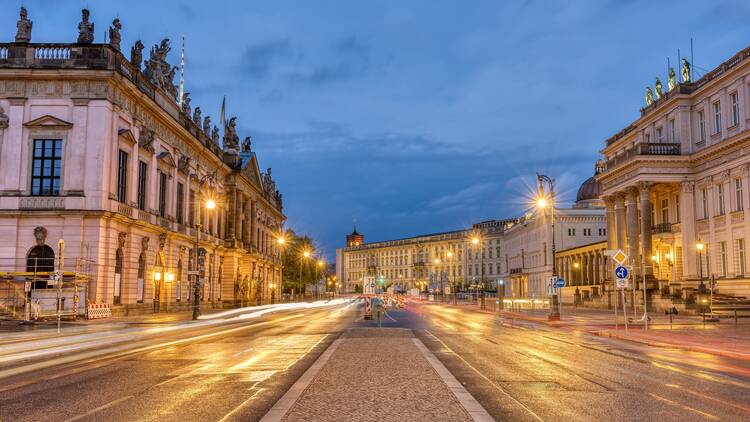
(499, 388)
(674, 403)
(468, 402)
(100, 408)
(242, 405)
(285, 403)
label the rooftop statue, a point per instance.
(114, 34)
(24, 26)
(649, 96)
(186, 103)
(685, 71)
(85, 29)
(659, 91)
(231, 140)
(197, 116)
(268, 184)
(215, 135)
(672, 81)
(136, 54)
(246, 144)
(207, 125)
(158, 71)
(3, 119)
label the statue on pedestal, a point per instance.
(158, 71)
(114, 34)
(685, 71)
(658, 87)
(136, 54)
(231, 140)
(649, 96)
(24, 27)
(215, 135)
(197, 116)
(85, 29)
(207, 125)
(186, 103)
(246, 144)
(672, 81)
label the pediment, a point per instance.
(167, 159)
(252, 172)
(127, 136)
(48, 122)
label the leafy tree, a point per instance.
(299, 270)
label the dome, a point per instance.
(590, 190)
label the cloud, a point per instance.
(258, 60)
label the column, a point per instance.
(645, 191)
(237, 214)
(688, 230)
(246, 224)
(231, 213)
(631, 203)
(611, 226)
(620, 220)
(254, 223)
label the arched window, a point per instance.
(41, 258)
(118, 276)
(141, 277)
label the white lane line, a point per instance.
(469, 403)
(285, 403)
(100, 408)
(242, 405)
(499, 388)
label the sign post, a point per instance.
(622, 281)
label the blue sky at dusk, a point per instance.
(415, 116)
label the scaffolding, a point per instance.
(41, 288)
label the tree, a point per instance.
(299, 270)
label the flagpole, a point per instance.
(182, 70)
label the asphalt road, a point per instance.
(229, 372)
(530, 372)
(517, 371)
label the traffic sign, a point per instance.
(621, 283)
(559, 283)
(619, 257)
(621, 272)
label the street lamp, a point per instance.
(543, 201)
(478, 242)
(450, 278)
(700, 246)
(210, 204)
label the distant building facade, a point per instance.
(678, 177)
(96, 150)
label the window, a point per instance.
(735, 109)
(191, 208)
(741, 256)
(704, 202)
(587, 232)
(47, 161)
(720, 199)
(602, 232)
(672, 131)
(162, 194)
(647, 137)
(717, 117)
(142, 176)
(738, 194)
(659, 134)
(140, 282)
(665, 210)
(677, 208)
(180, 202)
(122, 176)
(723, 258)
(702, 126)
(571, 232)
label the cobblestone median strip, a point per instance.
(377, 374)
(476, 411)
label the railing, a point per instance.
(144, 216)
(52, 53)
(42, 203)
(124, 209)
(165, 223)
(661, 228)
(659, 149)
(516, 270)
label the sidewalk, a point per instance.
(383, 374)
(686, 332)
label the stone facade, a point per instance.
(128, 178)
(678, 176)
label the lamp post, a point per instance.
(449, 255)
(478, 242)
(543, 201)
(210, 204)
(437, 262)
(281, 241)
(305, 256)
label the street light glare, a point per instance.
(542, 203)
(210, 204)
(306, 254)
(475, 240)
(700, 246)
(281, 240)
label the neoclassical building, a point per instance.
(676, 183)
(101, 151)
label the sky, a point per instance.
(413, 117)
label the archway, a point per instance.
(41, 258)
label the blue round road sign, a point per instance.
(560, 283)
(621, 272)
